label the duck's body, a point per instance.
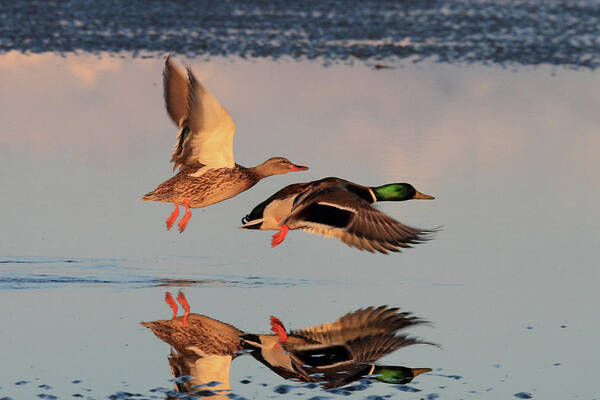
(202, 348)
(204, 149)
(337, 353)
(338, 208)
(200, 334)
(211, 187)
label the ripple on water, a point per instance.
(406, 388)
(283, 389)
(34, 273)
(523, 395)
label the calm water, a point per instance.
(509, 284)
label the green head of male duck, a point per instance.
(398, 192)
(396, 375)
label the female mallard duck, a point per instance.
(202, 348)
(339, 208)
(204, 150)
(341, 352)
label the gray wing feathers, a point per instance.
(175, 86)
(361, 323)
(367, 228)
(371, 349)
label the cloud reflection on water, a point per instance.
(452, 120)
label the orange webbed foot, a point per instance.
(186, 218)
(183, 223)
(186, 307)
(279, 236)
(173, 217)
(278, 328)
(171, 302)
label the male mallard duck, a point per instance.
(204, 150)
(341, 352)
(339, 208)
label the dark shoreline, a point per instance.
(373, 31)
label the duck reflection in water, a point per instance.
(334, 207)
(202, 349)
(332, 354)
(336, 354)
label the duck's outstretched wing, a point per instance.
(359, 337)
(336, 212)
(371, 349)
(175, 91)
(365, 322)
(206, 129)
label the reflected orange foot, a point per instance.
(278, 328)
(171, 302)
(186, 218)
(186, 306)
(173, 217)
(279, 236)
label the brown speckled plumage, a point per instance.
(201, 349)
(205, 333)
(213, 186)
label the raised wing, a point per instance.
(206, 131)
(371, 349)
(358, 324)
(336, 212)
(175, 91)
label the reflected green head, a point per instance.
(398, 192)
(396, 375)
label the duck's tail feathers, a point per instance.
(254, 224)
(153, 196)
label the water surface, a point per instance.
(509, 284)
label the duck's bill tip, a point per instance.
(419, 371)
(298, 168)
(419, 195)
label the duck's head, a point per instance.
(396, 375)
(398, 192)
(278, 165)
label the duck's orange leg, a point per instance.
(171, 302)
(278, 328)
(186, 218)
(279, 236)
(173, 217)
(186, 306)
